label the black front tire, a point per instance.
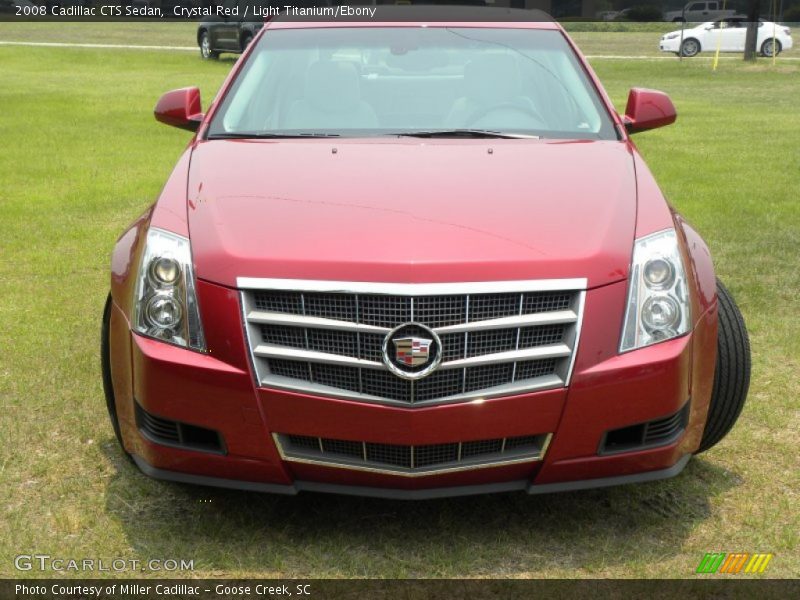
(206, 52)
(766, 48)
(690, 48)
(732, 373)
(105, 365)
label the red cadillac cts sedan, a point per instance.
(412, 260)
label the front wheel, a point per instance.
(105, 366)
(769, 47)
(732, 373)
(205, 47)
(246, 39)
(690, 47)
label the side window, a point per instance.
(712, 6)
(697, 6)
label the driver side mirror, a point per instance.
(648, 109)
(180, 108)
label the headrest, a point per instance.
(492, 78)
(332, 86)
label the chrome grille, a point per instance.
(411, 460)
(497, 338)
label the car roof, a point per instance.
(430, 16)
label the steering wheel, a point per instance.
(513, 106)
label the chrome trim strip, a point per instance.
(576, 343)
(524, 386)
(543, 318)
(273, 318)
(412, 289)
(289, 353)
(557, 351)
(251, 359)
(418, 472)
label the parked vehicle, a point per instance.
(704, 10)
(729, 35)
(416, 262)
(229, 34)
(216, 35)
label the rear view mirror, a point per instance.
(648, 109)
(180, 108)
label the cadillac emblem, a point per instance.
(412, 351)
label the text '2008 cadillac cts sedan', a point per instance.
(416, 261)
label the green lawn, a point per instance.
(81, 156)
(627, 39)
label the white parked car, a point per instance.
(729, 35)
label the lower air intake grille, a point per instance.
(180, 435)
(412, 460)
(659, 432)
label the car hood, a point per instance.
(411, 210)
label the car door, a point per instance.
(694, 12)
(711, 35)
(733, 35)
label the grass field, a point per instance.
(626, 39)
(81, 156)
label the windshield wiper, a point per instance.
(267, 136)
(473, 133)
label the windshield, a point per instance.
(367, 81)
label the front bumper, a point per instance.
(670, 45)
(217, 391)
(425, 494)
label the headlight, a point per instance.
(658, 297)
(165, 304)
(671, 36)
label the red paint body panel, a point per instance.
(648, 109)
(465, 215)
(532, 209)
(180, 108)
(342, 419)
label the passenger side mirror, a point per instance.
(180, 108)
(648, 109)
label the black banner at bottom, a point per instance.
(405, 589)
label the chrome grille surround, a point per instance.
(411, 461)
(498, 338)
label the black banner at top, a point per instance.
(606, 11)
